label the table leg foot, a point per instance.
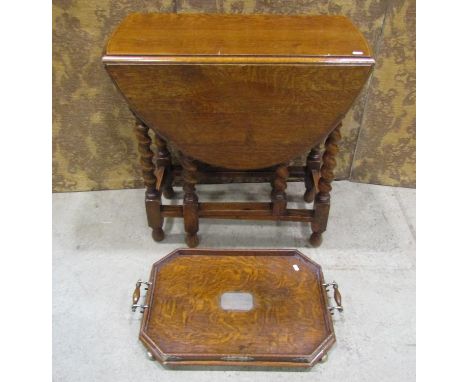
(315, 239)
(168, 192)
(192, 240)
(158, 234)
(309, 196)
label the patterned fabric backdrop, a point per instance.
(93, 143)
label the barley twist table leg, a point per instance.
(190, 208)
(164, 160)
(278, 195)
(152, 195)
(312, 171)
(322, 199)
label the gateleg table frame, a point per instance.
(158, 175)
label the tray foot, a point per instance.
(324, 358)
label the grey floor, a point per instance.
(101, 246)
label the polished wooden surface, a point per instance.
(220, 34)
(239, 93)
(288, 325)
(241, 116)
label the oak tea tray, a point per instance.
(237, 308)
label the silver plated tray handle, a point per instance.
(336, 296)
(136, 296)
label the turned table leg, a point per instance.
(278, 195)
(164, 161)
(190, 208)
(152, 195)
(322, 199)
(312, 174)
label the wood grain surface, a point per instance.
(241, 116)
(149, 34)
(289, 322)
(239, 92)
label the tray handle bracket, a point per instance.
(336, 296)
(136, 296)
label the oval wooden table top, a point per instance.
(238, 91)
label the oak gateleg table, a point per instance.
(240, 93)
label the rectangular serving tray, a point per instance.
(282, 318)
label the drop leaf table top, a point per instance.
(239, 91)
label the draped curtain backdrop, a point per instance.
(93, 143)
